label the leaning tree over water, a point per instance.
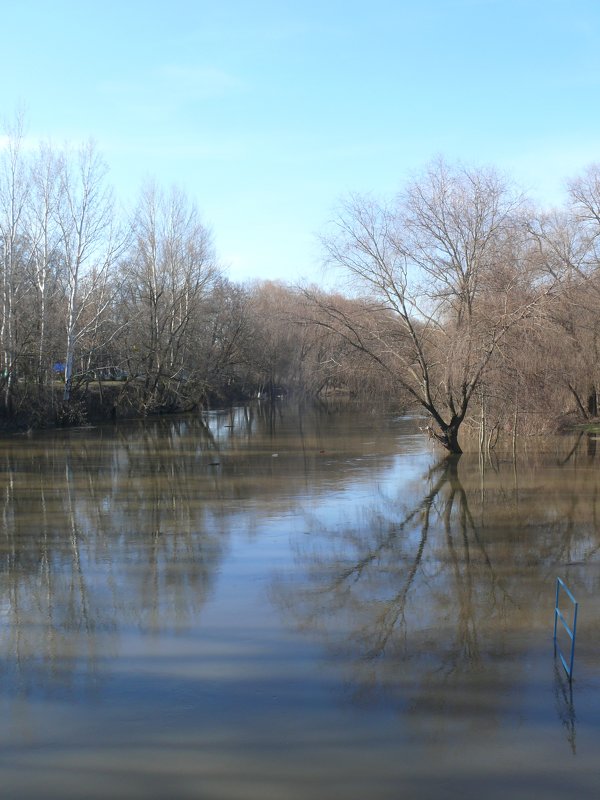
(445, 273)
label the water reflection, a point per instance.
(100, 534)
(563, 693)
(435, 598)
(410, 583)
(296, 581)
(105, 530)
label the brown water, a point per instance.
(293, 605)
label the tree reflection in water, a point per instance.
(431, 598)
(99, 536)
(563, 693)
(428, 604)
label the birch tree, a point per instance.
(14, 191)
(90, 246)
(45, 254)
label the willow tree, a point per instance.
(443, 270)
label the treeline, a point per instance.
(480, 307)
(458, 296)
(111, 313)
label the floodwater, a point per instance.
(284, 605)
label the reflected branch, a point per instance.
(355, 570)
(563, 695)
(375, 587)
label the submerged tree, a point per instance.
(445, 273)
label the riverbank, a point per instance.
(98, 401)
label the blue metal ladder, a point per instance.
(570, 632)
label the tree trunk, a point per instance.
(447, 436)
(450, 439)
(592, 403)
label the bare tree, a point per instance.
(46, 262)
(169, 271)
(439, 267)
(14, 191)
(90, 246)
(219, 342)
(567, 242)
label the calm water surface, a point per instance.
(285, 605)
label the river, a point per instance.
(283, 603)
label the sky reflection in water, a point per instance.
(283, 604)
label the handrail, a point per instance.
(560, 584)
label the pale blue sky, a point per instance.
(266, 112)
